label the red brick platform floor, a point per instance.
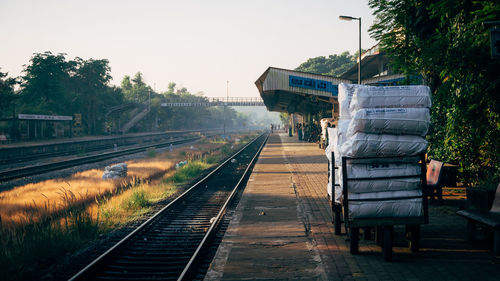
(282, 230)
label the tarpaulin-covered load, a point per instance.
(385, 209)
(381, 122)
(398, 121)
(346, 91)
(389, 97)
(373, 145)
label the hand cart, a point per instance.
(384, 226)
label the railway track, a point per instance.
(170, 245)
(88, 146)
(17, 173)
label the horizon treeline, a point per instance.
(51, 84)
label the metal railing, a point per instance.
(231, 101)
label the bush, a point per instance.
(188, 172)
(151, 152)
(137, 200)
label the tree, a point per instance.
(7, 94)
(126, 85)
(135, 89)
(447, 43)
(334, 65)
(46, 86)
(91, 80)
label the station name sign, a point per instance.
(44, 117)
(313, 84)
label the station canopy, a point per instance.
(298, 92)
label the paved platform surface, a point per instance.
(282, 230)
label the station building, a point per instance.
(310, 97)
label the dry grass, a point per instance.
(41, 222)
(47, 197)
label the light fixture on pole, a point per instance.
(348, 18)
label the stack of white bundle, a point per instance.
(382, 122)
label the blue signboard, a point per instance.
(313, 84)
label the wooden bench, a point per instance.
(490, 219)
(434, 187)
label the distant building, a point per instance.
(375, 70)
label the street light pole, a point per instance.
(348, 18)
(225, 104)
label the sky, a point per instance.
(198, 44)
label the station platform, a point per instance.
(282, 230)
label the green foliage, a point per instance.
(210, 159)
(188, 172)
(7, 95)
(46, 87)
(448, 44)
(54, 85)
(135, 89)
(137, 200)
(151, 152)
(334, 65)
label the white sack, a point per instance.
(382, 170)
(346, 92)
(332, 143)
(384, 195)
(343, 126)
(386, 209)
(390, 96)
(372, 145)
(337, 195)
(338, 189)
(397, 121)
(384, 185)
(332, 147)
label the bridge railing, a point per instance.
(231, 101)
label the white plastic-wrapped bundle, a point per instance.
(346, 92)
(332, 147)
(384, 185)
(390, 96)
(371, 145)
(332, 143)
(382, 170)
(398, 121)
(384, 195)
(343, 126)
(386, 208)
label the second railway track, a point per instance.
(168, 246)
(17, 173)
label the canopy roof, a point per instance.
(298, 92)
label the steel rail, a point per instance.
(168, 207)
(211, 231)
(89, 147)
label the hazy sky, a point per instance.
(197, 44)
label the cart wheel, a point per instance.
(354, 241)
(387, 243)
(414, 237)
(337, 223)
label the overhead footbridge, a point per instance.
(298, 92)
